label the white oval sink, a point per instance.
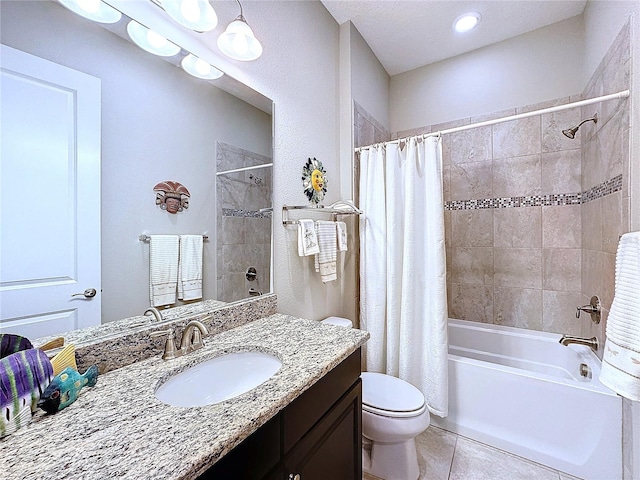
(218, 379)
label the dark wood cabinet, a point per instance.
(318, 436)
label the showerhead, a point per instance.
(571, 132)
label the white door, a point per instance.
(49, 197)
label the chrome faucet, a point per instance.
(191, 339)
(589, 342)
(155, 312)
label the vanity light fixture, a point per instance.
(238, 41)
(466, 22)
(95, 10)
(199, 68)
(198, 15)
(151, 41)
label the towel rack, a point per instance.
(341, 207)
(147, 238)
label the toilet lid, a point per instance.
(390, 396)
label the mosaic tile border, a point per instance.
(605, 188)
(232, 212)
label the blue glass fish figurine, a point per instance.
(23, 376)
(65, 387)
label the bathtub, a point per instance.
(521, 391)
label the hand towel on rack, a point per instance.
(621, 361)
(163, 269)
(190, 267)
(325, 260)
(307, 238)
(341, 228)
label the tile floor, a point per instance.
(443, 455)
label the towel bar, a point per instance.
(147, 238)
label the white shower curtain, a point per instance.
(402, 268)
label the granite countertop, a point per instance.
(119, 429)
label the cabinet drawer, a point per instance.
(304, 412)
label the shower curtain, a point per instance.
(402, 268)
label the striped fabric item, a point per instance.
(326, 259)
(621, 360)
(163, 265)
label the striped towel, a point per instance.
(190, 267)
(326, 260)
(621, 361)
(163, 269)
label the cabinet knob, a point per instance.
(294, 477)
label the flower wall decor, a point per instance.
(172, 196)
(314, 181)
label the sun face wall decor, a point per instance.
(172, 196)
(314, 181)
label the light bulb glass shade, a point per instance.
(151, 41)
(197, 15)
(466, 22)
(199, 68)
(239, 42)
(95, 10)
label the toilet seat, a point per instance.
(390, 396)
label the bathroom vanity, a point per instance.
(318, 436)
(304, 420)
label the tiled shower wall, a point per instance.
(244, 233)
(533, 218)
(605, 160)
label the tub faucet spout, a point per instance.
(589, 342)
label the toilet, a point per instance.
(394, 412)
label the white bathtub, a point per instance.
(521, 391)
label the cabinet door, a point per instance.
(332, 449)
(257, 455)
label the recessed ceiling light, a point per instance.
(466, 22)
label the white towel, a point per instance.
(341, 228)
(325, 260)
(163, 269)
(307, 238)
(190, 267)
(621, 361)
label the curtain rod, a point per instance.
(581, 103)
(243, 169)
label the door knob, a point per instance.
(88, 293)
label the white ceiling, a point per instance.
(412, 33)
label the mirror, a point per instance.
(161, 124)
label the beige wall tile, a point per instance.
(591, 214)
(559, 312)
(472, 181)
(517, 307)
(470, 302)
(562, 269)
(518, 267)
(471, 265)
(471, 145)
(516, 138)
(472, 228)
(592, 273)
(517, 176)
(517, 227)
(611, 221)
(561, 172)
(553, 139)
(561, 226)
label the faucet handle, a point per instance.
(593, 309)
(170, 350)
